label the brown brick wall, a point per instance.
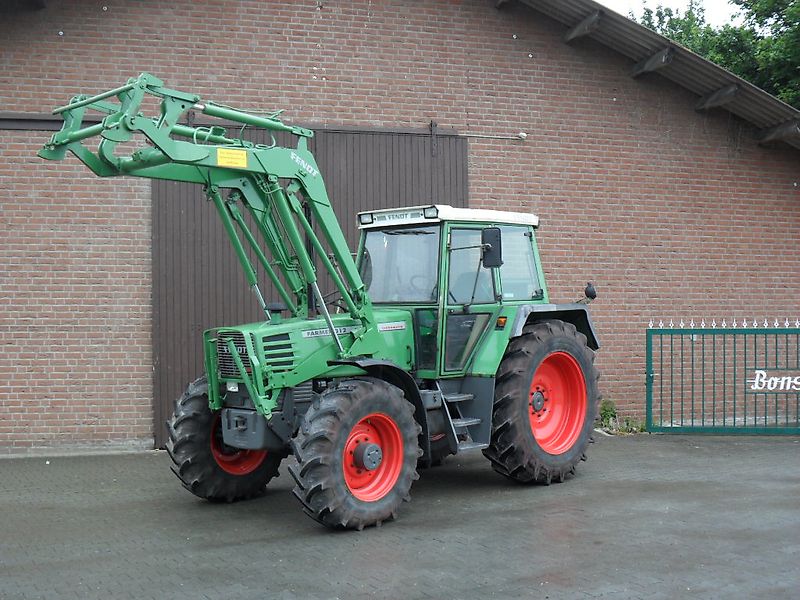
(672, 213)
(75, 304)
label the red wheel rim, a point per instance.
(370, 485)
(557, 403)
(233, 460)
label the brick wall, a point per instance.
(670, 212)
(75, 304)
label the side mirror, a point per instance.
(492, 248)
(365, 269)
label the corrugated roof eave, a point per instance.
(686, 69)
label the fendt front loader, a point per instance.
(437, 339)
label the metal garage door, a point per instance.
(197, 281)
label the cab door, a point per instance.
(471, 300)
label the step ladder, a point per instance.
(458, 433)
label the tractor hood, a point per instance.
(285, 353)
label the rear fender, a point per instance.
(577, 314)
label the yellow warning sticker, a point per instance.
(227, 157)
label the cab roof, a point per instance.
(436, 213)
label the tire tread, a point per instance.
(188, 447)
(510, 452)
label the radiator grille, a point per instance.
(227, 366)
(279, 352)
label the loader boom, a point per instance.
(272, 183)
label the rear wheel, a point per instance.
(546, 399)
(357, 452)
(205, 465)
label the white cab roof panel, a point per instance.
(435, 213)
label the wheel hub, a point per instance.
(557, 403)
(537, 401)
(373, 457)
(368, 456)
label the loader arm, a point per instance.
(272, 183)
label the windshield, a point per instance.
(401, 265)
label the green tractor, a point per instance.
(438, 338)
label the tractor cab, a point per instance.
(462, 273)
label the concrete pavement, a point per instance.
(646, 517)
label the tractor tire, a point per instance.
(203, 463)
(545, 404)
(357, 452)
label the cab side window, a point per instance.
(518, 276)
(467, 273)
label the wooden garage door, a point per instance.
(197, 281)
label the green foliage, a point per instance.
(608, 413)
(631, 425)
(765, 50)
(610, 422)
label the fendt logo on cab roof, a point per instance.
(399, 216)
(306, 166)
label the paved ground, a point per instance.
(646, 517)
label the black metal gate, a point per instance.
(197, 281)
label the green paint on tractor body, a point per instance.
(287, 353)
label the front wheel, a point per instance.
(357, 452)
(546, 399)
(205, 465)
